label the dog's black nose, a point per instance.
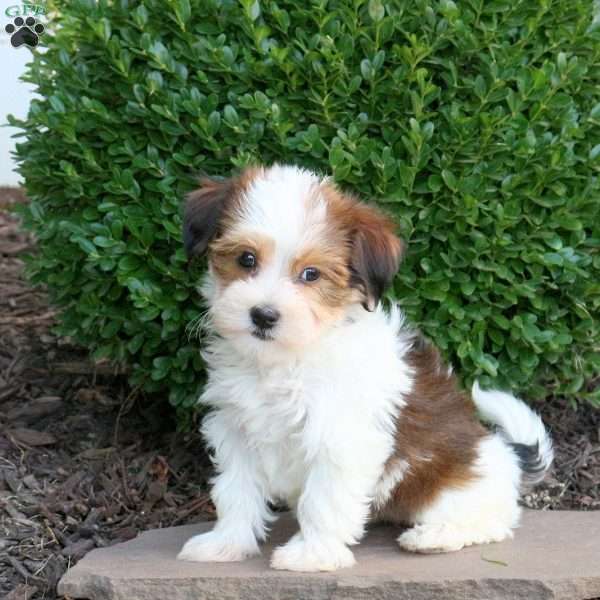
(264, 316)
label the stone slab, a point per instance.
(553, 555)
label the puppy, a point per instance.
(323, 399)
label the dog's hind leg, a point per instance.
(484, 510)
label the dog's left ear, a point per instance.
(376, 253)
(203, 213)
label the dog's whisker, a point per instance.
(197, 325)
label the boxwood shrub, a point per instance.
(476, 123)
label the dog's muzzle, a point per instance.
(265, 317)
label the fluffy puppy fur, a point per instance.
(323, 399)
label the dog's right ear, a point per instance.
(204, 210)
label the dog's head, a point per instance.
(289, 255)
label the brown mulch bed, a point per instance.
(85, 463)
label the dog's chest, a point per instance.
(270, 410)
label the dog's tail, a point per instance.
(522, 429)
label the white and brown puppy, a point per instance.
(323, 399)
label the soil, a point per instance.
(85, 462)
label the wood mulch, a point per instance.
(85, 463)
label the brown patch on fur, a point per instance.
(375, 249)
(330, 257)
(225, 251)
(209, 208)
(437, 434)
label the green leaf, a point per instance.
(488, 363)
(450, 180)
(467, 288)
(366, 69)
(183, 12)
(376, 10)
(140, 16)
(104, 242)
(86, 246)
(231, 115)
(57, 104)
(252, 9)
(129, 263)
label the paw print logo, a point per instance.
(24, 32)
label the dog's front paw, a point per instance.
(212, 547)
(300, 555)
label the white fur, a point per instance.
(393, 475)
(309, 416)
(315, 432)
(483, 511)
(518, 423)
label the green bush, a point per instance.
(477, 123)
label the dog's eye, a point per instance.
(247, 260)
(310, 274)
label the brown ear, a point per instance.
(204, 210)
(376, 253)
